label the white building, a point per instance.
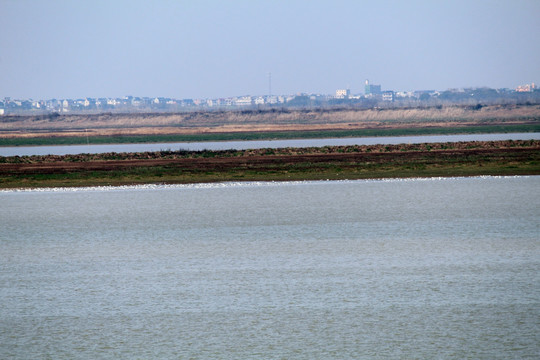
(272, 99)
(404, 94)
(388, 95)
(526, 88)
(343, 93)
(244, 101)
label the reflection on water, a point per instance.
(424, 268)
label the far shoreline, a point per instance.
(59, 140)
(242, 125)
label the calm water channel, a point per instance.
(241, 145)
(410, 269)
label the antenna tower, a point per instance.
(269, 84)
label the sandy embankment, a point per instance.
(108, 124)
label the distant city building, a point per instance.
(371, 89)
(404, 94)
(343, 93)
(388, 95)
(423, 93)
(188, 102)
(272, 99)
(243, 101)
(526, 88)
(10, 106)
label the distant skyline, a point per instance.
(214, 49)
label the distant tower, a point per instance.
(269, 84)
(371, 89)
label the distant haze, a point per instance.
(211, 49)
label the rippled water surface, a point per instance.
(425, 268)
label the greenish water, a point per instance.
(423, 268)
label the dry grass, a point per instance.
(278, 120)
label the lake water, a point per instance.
(242, 145)
(378, 269)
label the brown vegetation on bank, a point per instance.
(265, 152)
(264, 120)
(331, 162)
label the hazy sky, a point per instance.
(218, 48)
